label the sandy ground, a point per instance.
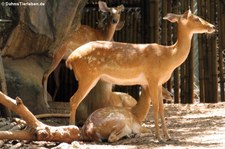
(190, 126)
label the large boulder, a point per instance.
(41, 29)
(37, 32)
(24, 80)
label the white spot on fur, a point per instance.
(91, 59)
(119, 56)
(78, 55)
(102, 59)
(114, 10)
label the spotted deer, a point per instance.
(128, 64)
(83, 35)
(112, 123)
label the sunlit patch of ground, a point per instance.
(196, 126)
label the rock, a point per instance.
(24, 80)
(36, 33)
(42, 29)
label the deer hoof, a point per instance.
(112, 138)
(160, 140)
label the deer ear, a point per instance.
(103, 6)
(187, 14)
(172, 17)
(120, 25)
(120, 8)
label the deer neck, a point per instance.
(109, 32)
(101, 92)
(103, 87)
(181, 48)
(140, 110)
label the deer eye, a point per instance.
(197, 20)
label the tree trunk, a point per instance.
(36, 131)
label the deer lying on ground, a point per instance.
(115, 122)
(112, 123)
(128, 64)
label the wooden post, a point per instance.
(156, 21)
(200, 59)
(169, 83)
(206, 58)
(221, 15)
(183, 69)
(176, 71)
(214, 64)
(190, 69)
(210, 63)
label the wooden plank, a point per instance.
(183, 68)
(156, 21)
(214, 72)
(172, 40)
(190, 72)
(207, 67)
(169, 42)
(221, 15)
(201, 63)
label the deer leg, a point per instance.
(55, 61)
(84, 87)
(161, 113)
(118, 132)
(153, 89)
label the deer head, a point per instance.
(114, 14)
(193, 22)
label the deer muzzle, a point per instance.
(211, 28)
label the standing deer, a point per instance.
(103, 90)
(84, 35)
(128, 64)
(112, 123)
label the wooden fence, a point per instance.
(201, 77)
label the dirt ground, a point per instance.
(190, 126)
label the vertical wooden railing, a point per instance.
(144, 24)
(221, 37)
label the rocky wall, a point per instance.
(37, 32)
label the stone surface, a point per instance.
(38, 31)
(42, 29)
(24, 80)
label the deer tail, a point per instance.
(69, 63)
